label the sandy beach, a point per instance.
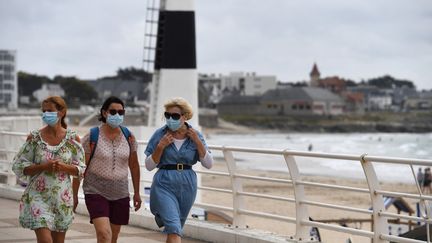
(331, 196)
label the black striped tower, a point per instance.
(175, 71)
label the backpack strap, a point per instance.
(94, 136)
(127, 134)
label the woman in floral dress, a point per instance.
(46, 161)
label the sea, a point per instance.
(400, 145)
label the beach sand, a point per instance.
(339, 197)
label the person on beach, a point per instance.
(420, 177)
(110, 151)
(427, 181)
(174, 149)
(45, 162)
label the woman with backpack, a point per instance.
(110, 151)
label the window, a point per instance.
(8, 86)
(7, 97)
(318, 107)
(9, 58)
(8, 77)
(294, 107)
(8, 68)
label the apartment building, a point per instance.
(8, 80)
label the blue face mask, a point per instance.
(114, 121)
(50, 118)
(172, 124)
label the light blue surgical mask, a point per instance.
(50, 118)
(172, 124)
(114, 121)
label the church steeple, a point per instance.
(314, 76)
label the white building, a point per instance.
(48, 90)
(249, 83)
(8, 80)
(379, 102)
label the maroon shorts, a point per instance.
(117, 210)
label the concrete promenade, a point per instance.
(81, 230)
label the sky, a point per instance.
(355, 39)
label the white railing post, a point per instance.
(237, 186)
(380, 225)
(302, 231)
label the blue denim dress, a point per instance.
(173, 192)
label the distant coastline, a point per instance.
(413, 122)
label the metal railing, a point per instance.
(301, 220)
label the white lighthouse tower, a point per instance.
(175, 73)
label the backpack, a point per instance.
(94, 136)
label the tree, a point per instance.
(76, 90)
(350, 83)
(28, 83)
(388, 82)
(131, 73)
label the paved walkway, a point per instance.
(81, 230)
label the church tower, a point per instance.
(314, 76)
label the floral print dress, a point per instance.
(47, 201)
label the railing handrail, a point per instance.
(299, 153)
(301, 220)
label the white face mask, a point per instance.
(50, 118)
(114, 121)
(172, 124)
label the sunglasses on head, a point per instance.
(175, 116)
(113, 112)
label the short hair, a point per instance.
(60, 105)
(106, 105)
(181, 103)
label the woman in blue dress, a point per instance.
(173, 149)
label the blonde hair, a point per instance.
(60, 105)
(181, 103)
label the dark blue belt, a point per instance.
(176, 167)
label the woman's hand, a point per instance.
(137, 201)
(51, 165)
(61, 167)
(75, 202)
(193, 135)
(166, 140)
(56, 165)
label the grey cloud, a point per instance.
(354, 39)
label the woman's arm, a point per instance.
(23, 162)
(38, 168)
(135, 173)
